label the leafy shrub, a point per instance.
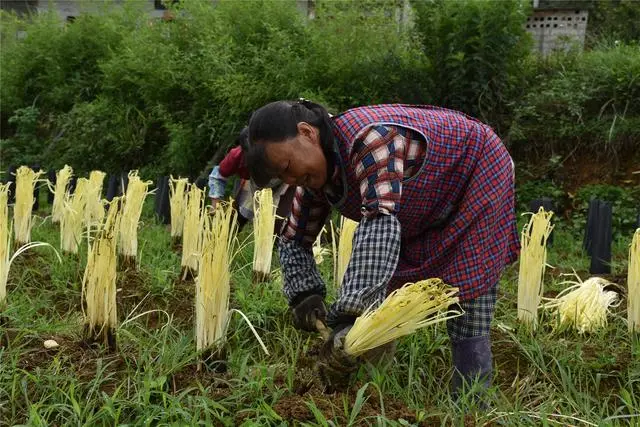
(536, 189)
(476, 52)
(581, 99)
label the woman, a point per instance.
(433, 192)
(234, 164)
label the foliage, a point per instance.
(547, 378)
(476, 52)
(24, 144)
(625, 206)
(614, 20)
(121, 90)
(536, 189)
(582, 100)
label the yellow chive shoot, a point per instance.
(584, 305)
(131, 211)
(178, 205)
(318, 251)
(192, 232)
(26, 180)
(72, 218)
(633, 284)
(63, 177)
(94, 208)
(263, 225)
(5, 243)
(533, 261)
(404, 311)
(5, 247)
(99, 282)
(345, 247)
(213, 283)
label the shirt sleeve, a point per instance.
(309, 211)
(217, 184)
(378, 160)
(232, 162)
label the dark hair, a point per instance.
(243, 139)
(278, 121)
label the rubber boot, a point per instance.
(472, 359)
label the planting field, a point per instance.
(546, 378)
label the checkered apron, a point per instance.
(457, 214)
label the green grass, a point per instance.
(550, 378)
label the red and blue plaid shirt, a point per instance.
(382, 157)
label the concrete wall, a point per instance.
(557, 29)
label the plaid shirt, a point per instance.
(382, 157)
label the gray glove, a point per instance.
(334, 365)
(307, 310)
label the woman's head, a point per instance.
(243, 139)
(292, 141)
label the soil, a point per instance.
(510, 363)
(132, 294)
(294, 406)
(78, 357)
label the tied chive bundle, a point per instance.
(533, 259)
(99, 281)
(63, 176)
(73, 215)
(404, 311)
(94, 210)
(263, 225)
(133, 202)
(214, 275)
(192, 232)
(633, 283)
(345, 248)
(5, 242)
(26, 180)
(584, 305)
(178, 204)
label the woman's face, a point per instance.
(299, 160)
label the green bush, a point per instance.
(123, 90)
(536, 189)
(476, 51)
(581, 99)
(359, 53)
(614, 20)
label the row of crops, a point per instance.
(208, 241)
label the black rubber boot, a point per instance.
(472, 359)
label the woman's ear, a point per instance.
(309, 132)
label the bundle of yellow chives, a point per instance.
(73, 215)
(318, 251)
(533, 258)
(404, 311)
(26, 181)
(345, 247)
(178, 204)
(94, 209)
(192, 233)
(584, 305)
(63, 176)
(5, 243)
(263, 224)
(213, 280)
(633, 284)
(5, 248)
(99, 282)
(128, 234)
